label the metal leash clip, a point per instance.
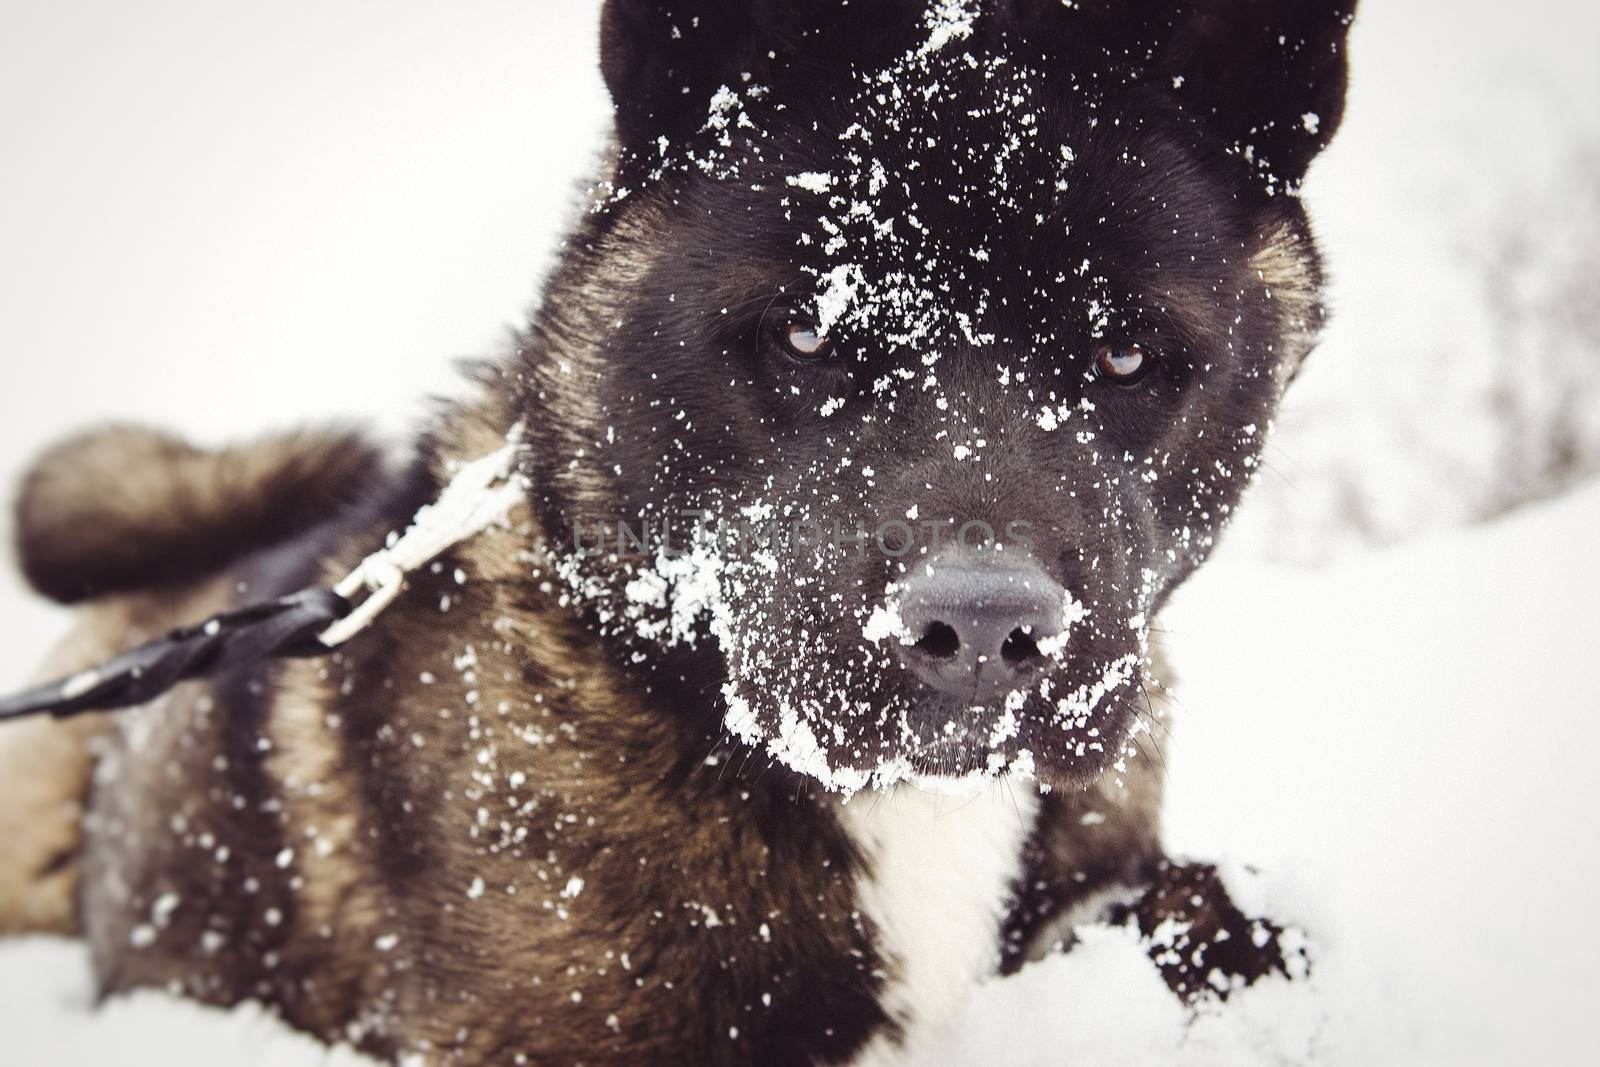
(481, 493)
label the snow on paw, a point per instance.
(1203, 944)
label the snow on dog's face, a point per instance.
(930, 349)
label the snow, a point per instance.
(812, 181)
(1397, 741)
(838, 293)
(49, 1019)
(948, 20)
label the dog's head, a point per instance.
(959, 324)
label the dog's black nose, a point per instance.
(976, 623)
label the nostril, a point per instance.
(1020, 649)
(939, 641)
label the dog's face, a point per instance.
(964, 346)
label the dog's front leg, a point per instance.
(1091, 852)
(1096, 857)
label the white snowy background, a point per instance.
(225, 217)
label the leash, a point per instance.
(308, 624)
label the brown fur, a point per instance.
(46, 763)
(46, 767)
(126, 508)
(363, 799)
(1290, 273)
(136, 522)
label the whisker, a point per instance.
(1171, 697)
(1165, 772)
(1016, 806)
(1158, 765)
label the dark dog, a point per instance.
(969, 319)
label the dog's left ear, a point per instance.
(663, 60)
(1267, 75)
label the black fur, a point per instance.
(1250, 70)
(1131, 210)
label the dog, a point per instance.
(953, 331)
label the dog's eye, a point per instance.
(1122, 364)
(803, 342)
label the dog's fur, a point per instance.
(549, 810)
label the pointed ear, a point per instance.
(663, 59)
(1267, 75)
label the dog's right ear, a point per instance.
(663, 59)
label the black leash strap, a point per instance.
(280, 629)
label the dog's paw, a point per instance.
(1203, 944)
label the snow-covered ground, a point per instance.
(49, 1021)
(224, 220)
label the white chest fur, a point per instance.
(940, 872)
